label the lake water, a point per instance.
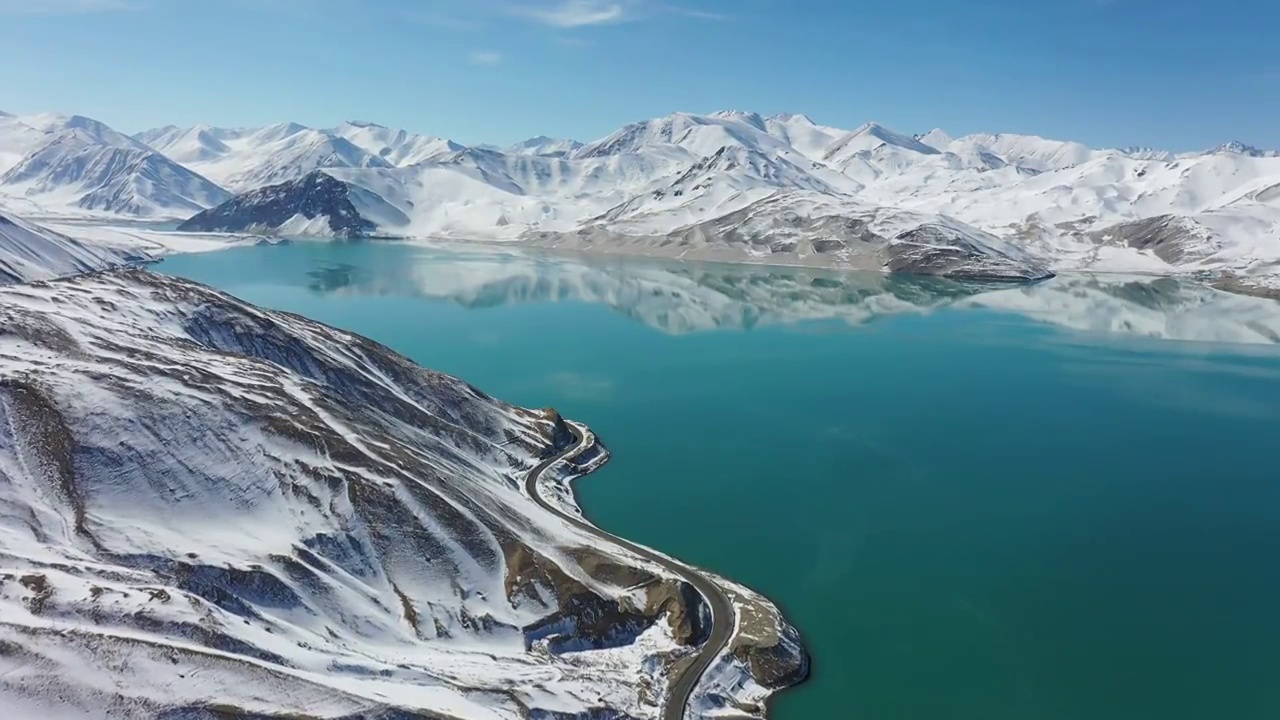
(1057, 502)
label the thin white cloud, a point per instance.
(700, 14)
(578, 13)
(485, 57)
(565, 15)
(62, 7)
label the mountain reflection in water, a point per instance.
(677, 297)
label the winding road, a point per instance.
(722, 615)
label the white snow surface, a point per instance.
(30, 252)
(204, 504)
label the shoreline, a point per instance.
(738, 653)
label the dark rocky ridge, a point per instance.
(1171, 238)
(265, 210)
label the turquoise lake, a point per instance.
(1059, 502)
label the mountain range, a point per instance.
(730, 185)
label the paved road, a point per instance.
(722, 621)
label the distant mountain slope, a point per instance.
(249, 158)
(545, 146)
(30, 252)
(79, 163)
(397, 147)
(16, 140)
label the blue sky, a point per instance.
(1178, 74)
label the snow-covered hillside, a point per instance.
(209, 509)
(655, 184)
(30, 252)
(79, 165)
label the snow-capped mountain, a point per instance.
(397, 147)
(16, 140)
(209, 509)
(81, 164)
(197, 144)
(1238, 148)
(545, 146)
(247, 159)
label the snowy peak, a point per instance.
(872, 134)
(745, 168)
(936, 138)
(637, 136)
(1028, 151)
(190, 145)
(1144, 153)
(244, 159)
(54, 123)
(16, 140)
(687, 135)
(155, 135)
(742, 116)
(545, 146)
(277, 132)
(1236, 147)
(397, 147)
(802, 134)
(282, 153)
(873, 151)
(88, 166)
(798, 118)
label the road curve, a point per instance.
(722, 614)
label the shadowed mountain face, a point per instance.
(316, 202)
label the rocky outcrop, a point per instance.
(316, 204)
(1176, 240)
(946, 252)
